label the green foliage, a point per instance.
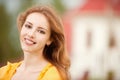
(59, 6)
(7, 51)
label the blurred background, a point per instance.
(92, 31)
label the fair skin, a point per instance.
(34, 35)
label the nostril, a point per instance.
(31, 34)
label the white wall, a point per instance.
(97, 57)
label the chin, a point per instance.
(27, 49)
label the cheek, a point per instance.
(22, 34)
(23, 30)
(43, 39)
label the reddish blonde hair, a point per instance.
(55, 53)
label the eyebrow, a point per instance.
(29, 22)
(42, 28)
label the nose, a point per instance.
(31, 34)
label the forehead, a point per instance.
(37, 19)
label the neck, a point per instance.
(33, 60)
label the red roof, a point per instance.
(100, 6)
(94, 5)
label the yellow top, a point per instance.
(48, 73)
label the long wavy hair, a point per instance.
(56, 52)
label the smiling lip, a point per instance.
(29, 41)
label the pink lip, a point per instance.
(29, 41)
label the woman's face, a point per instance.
(35, 33)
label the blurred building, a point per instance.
(93, 35)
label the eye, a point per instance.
(28, 26)
(41, 31)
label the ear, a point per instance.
(49, 42)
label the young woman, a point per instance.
(43, 44)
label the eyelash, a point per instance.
(28, 26)
(41, 31)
